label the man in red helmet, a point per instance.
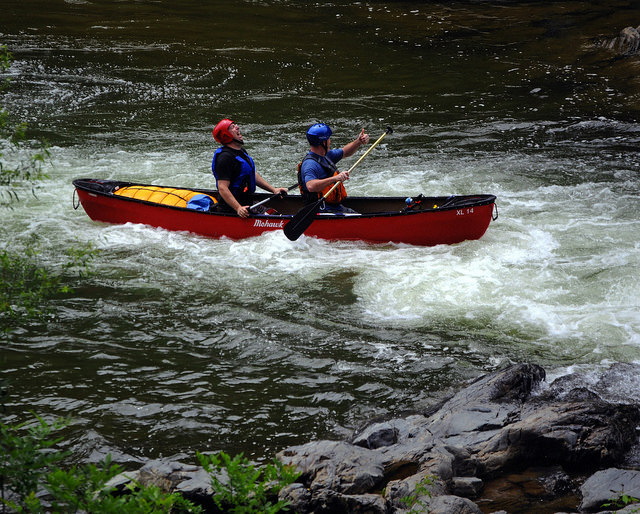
(235, 172)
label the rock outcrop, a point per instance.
(504, 421)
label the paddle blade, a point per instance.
(301, 221)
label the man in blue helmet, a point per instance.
(318, 171)
(235, 171)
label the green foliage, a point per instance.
(29, 463)
(24, 458)
(5, 57)
(79, 258)
(247, 489)
(31, 469)
(25, 284)
(84, 489)
(413, 501)
(622, 501)
(5, 63)
(27, 157)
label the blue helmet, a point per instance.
(318, 133)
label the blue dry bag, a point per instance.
(200, 203)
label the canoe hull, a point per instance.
(445, 227)
(469, 219)
(114, 209)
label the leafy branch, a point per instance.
(29, 465)
(247, 489)
(25, 284)
(622, 501)
(414, 501)
(21, 160)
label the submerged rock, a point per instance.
(627, 42)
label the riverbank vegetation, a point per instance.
(24, 284)
(22, 159)
(31, 469)
(33, 479)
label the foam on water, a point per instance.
(555, 271)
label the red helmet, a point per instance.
(221, 131)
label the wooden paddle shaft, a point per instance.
(388, 131)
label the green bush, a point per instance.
(248, 489)
(34, 480)
(414, 501)
(84, 489)
(31, 466)
(25, 285)
(25, 455)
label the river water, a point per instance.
(179, 343)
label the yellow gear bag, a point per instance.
(161, 195)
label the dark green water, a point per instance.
(178, 343)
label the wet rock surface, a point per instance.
(627, 42)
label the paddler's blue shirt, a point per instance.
(312, 169)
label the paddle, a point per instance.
(274, 195)
(305, 216)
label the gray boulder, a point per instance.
(448, 504)
(607, 486)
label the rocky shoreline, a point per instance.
(563, 447)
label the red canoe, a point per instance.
(429, 221)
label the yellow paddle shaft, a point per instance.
(388, 131)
